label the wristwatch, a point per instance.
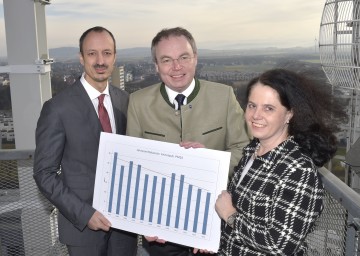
(231, 220)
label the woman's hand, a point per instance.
(224, 206)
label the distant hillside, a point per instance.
(71, 53)
(256, 51)
(64, 53)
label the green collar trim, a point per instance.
(189, 99)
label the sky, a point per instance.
(215, 24)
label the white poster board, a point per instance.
(161, 189)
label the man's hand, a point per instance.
(99, 222)
(154, 239)
(196, 250)
(191, 144)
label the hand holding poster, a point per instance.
(161, 189)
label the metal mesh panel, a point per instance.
(328, 238)
(339, 42)
(28, 222)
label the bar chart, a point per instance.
(180, 204)
(160, 189)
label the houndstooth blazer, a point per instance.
(278, 201)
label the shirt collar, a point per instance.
(91, 91)
(172, 94)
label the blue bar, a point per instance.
(171, 194)
(128, 189)
(161, 199)
(206, 213)
(197, 209)
(136, 190)
(182, 177)
(112, 182)
(144, 197)
(187, 212)
(152, 199)
(119, 189)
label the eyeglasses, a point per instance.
(181, 60)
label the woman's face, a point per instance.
(266, 118)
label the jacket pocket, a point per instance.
(154, 134)
(212, 130)
(77, 182)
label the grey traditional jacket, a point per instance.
(212, 116)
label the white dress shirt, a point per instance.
(94, 94)
(172, 94)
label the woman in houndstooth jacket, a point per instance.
(275, 195)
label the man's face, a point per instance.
(98, 58)
(176, 62)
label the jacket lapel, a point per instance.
(85, 105)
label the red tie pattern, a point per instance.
(103, 115)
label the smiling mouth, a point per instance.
(177, 76)
(100, 70)
(258, 125)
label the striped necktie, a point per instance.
(103, 115)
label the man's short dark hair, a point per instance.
(97, 29)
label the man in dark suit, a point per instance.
(67, 140)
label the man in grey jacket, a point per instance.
(67, 141)
(185, 110)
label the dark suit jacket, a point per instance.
(67, 140)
